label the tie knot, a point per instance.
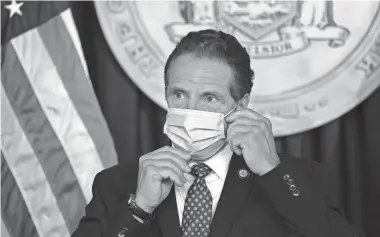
(200, 170)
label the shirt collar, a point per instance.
(220, 162)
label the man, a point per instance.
(222, 175)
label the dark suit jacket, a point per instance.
(256, 206)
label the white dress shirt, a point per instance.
(215, 180)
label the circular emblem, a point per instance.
(243, 173)
(314, 60)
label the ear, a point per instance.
(243, 102)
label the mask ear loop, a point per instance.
(225, 123)
(230, 111)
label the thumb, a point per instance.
(235, 143)
(237, 150)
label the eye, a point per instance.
(179, 95)
(210, 98)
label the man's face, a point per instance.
(199, 84)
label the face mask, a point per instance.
(195, 130)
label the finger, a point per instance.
(169, 155)
(240, 128)
(185, 155)
(246, 113)
(246, 121)
(168, 173)
(241, 121)
(238, 142)
(262, 124)
(165, 163)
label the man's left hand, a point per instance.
(250, 134)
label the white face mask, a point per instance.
(195, 130)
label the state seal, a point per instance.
(314, 60)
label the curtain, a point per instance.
(349, 146)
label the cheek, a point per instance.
(225, 107)
(175, 103)
(217, 108)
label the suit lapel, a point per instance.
(167, 215)
(235, 192)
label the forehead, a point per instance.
(187, 69)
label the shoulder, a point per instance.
(117, 179)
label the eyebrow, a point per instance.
(219, 95)
(177, 89)
(215, 93)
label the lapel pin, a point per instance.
(243, 173)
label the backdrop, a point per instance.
(348, 146)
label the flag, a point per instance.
(54, 139)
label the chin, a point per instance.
(208, 152)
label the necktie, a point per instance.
(197, 212)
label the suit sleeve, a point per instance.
(97, 222)
(300, 192)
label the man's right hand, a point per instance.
(158, 170)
